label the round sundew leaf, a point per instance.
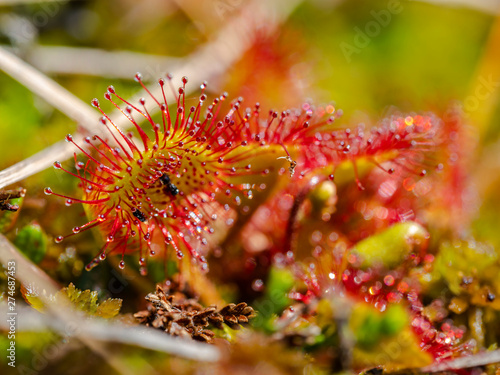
(390, 247)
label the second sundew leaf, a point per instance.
(390, 247)
(32, 241)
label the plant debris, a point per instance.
(185, 317)
(6, 195)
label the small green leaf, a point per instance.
(85, 301)
(275, 299)
(394, 320)
(278, 285)
(109, 308)
(370, 326)
(392, 246)
(466, 259)
(31, 295)
(32, 241)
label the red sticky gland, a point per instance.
(164, 192)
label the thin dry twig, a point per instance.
(19, 2)
(57, 96)
(211, 60)
(32, 321)
(489, 6)
(49, 90)
(98, 62)
(27, 272)
(476, 360)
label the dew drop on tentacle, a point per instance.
(121, 265)
(47, 191)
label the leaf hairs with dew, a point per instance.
(166, 192)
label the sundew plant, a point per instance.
(229, 187)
